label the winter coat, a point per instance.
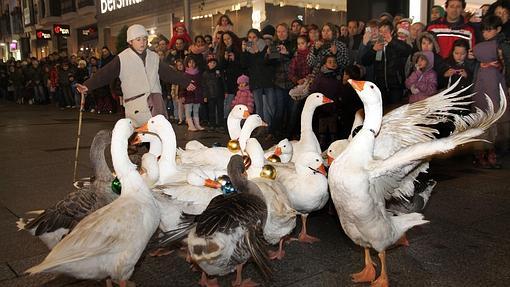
(244, 97)
(63, 77)
(213, 84)
(298, 68)
(329, 83)
(447, 33)
(422, 84)
(192, 97)
(81, 75)
(281, 77)
(232, 71)
(389, 71)
(468, 66)
(260, 71)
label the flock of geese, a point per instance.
(227, 204)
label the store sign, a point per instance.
(110, 5)
(61, 30)
(43, 34)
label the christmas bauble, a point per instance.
(247, 161)
(223, 179)
(116, 186)
(233, 146)
(274, 158)
(268, 171)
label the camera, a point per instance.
(249, 44)
(274, 52)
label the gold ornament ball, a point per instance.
(268, 171)
(233, 146)
(247, 161)
(274, 158)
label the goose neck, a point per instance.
(234, 127)
(307, 117)
(373, 117)
(101, 170)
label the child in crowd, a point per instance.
(423, 81)
(244, 95)
(192, 99)
(214, 89)
(459, 67)
(177, 97)
(488, 79)
(66, 93)
(328, 82)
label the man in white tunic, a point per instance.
(140, 71)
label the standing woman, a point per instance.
(260, 72)
(328, 45)
(282, 83)
(229, 61)
(224, 24)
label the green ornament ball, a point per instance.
(116, 186)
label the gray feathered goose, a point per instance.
(53, 223)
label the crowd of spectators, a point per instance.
(409, 61)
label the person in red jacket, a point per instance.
(452, 27)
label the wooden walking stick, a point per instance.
(82, 105)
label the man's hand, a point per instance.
(191, 87)
(333, 49)
(378, 46)
(81, 88)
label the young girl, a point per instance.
(423, 81)
(177, 97)
(488, 79)
(459, 67)
(243, 95)
(192, 99)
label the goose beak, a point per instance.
(330, 160)
(326, 100)
(212, 183)
(143, 129)
(322, 169)
(264, 124)
(278, 151)
(357, 85)
(136, 140)
(246, 114)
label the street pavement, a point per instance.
(466, 242)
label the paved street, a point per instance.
(467, 242)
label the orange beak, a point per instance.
(246, 114)
(278, 151)
(330, 160)
(143, 129)
(136, 140)
(326, 100)
(322, 169)
(212, 183)
(264, 124)
(357, 85)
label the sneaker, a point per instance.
(68, 107)
(92, 110)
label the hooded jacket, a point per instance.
(422, 84)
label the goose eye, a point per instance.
(317, 96)
(152, 122)
(372, 87)
(316, 160)
(285, 146)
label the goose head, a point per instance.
(252, 122)
(310, 163)
(335, 149)
(156, 124)
(151, 138)
(239, 112)
(368, 92)
(237, 172)
(284, 150)
(317, 99)
(197, 179)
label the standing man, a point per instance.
(139, 71)
(452, 27)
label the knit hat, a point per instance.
(243, 79)
(135, 31)
(386, 14)
(268, 32)
(441, 10)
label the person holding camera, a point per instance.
(328, 44)
(388, 54)
(229, 61)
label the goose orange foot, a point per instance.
(245, 283)
(160, 252)
(206, 282)
(366, 275)
(382, 281)
(304, 237)
(273, 255)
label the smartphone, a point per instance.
(478, 13)
(249, 44)
(368, 29)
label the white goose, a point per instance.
(218, 157)
(281, 217)
(109, 242)
(149, 168)
(359, 182)
(306, 186)
(283, 151)
(236, 115)
(53, 223)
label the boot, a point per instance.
(197, 124)
(191, 126)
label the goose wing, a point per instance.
(384, 173)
